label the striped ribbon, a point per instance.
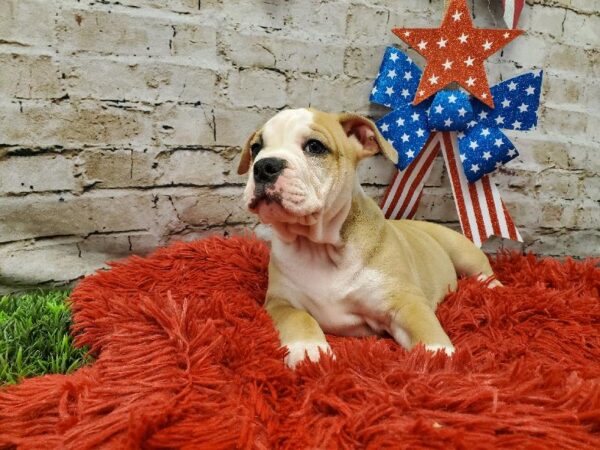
(512, 11)
(481, 211)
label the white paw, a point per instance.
(492, 284)
(297, 351)
(447, 349)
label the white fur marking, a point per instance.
(339, 295)
(298, 351)
(447, 349)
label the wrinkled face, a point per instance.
(301, 163)
(297, 164)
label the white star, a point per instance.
(421, 92)
(400, 122)
(471, 82)
(461, 112)
(448, 122)
(498, 142)
(473, 145)
(442, 43)
(530, 90)
(484, 95)
(462, 157)
(483, 115)
(374, 91)
(474, 167)
(487, 155)
(460, 135)
(422, 45)
(471, 124)
(410, 154)
(420, 132)
(469, 61)
(457, 15)
(408, 76)
(407, 33)
(448, 64)
(485, 132)
(512, 86)
(391, 74)
(405, 93)
(506, 35)
(537, 73)
(499, 120)
(409, 60)
(498, 164)
(433, 79)
(487, 45)
(389, 90)
(415, 117)
(505, 103)
(512, 152)
(394, 56)
(390, 141)
(405, 137)
(439, 109)
(516, 125)
(452, 98)
(523, 107)
(463, 38)
(384, 127)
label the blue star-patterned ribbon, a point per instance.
(483, 147)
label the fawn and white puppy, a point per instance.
(337, 265)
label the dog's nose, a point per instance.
(267, 170)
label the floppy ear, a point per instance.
(366, 132)
(246, 158)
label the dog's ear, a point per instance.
(246, 157)
(366, 132)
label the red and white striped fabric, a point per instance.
(481, 211)
(512, 11)
(404, 192)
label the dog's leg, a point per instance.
(298, 331)
(466, 257)
(413, 322)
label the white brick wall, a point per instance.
(121, 120)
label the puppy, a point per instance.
(337, 265)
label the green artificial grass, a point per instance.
(34, 336)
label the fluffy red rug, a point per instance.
(187, 358)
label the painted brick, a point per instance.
(262, 88)
(30, 174)
(118, 168)
(47, 215)
(29, 77)
(154, 82)
(85, 122)
(27, 22)
(251, 50)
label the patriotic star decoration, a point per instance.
(455, 52)
(483, 146)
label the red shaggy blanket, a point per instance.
(187, 358)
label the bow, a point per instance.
(466, 131)
(483, 146)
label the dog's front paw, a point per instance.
(447, 349)
(297, 351)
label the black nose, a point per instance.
(267, 170)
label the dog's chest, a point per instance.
(341, 294)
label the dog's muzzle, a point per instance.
(267, 170)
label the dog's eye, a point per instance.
(255, 148)
(315, 147)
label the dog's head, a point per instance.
(302, 161)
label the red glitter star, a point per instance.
(456, 52)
